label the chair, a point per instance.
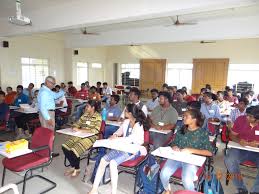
(62, 117)
(41, 146)
(186, 192)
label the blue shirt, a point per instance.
(114, 111)
(4, 108)
(21, 99)
(46, 101)
(210, 111)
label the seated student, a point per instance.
(180, 103)
(186, 97)
(172, 90)
(245, 132)
(106, 92)
(82, 93)
(63, 87)
(193, 105)
(20, 97)
(29, 91)
(71, 89)
(99, 89)
(134, 96)
(9, 98)
(202, 91)
(93, 94)
(230, 97)
(87, 85)
(165, 87)
(163, 117)
(3, 108)
(60, 102)
(239, 110)
(21, 120)
(224, 105)
(73, 148)
(209, 109)
(190, 139)
(154, 102)
(113, 114)
(131, 131)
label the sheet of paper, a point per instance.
(167, 152)
(180, 118)
(119, 144)
(14, 153)
(159, 131)
(232, 144)
(215, 123)
(69, 131)
(114, 123)
(13, 107)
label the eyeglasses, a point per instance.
(53, 83)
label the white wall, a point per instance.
(46, 47)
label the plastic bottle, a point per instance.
(210, 191)
(104, 114)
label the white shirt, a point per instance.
(107, 91)
(136, 133)
(144, 109)
(151, 105)
(63, 98)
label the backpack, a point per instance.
(212, 183)
(149, 177)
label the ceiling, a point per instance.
(134, 21)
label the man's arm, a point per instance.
(43, 105)
(58, 95)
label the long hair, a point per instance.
(96, 104)
(195, 114)
(138, 114)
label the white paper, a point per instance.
(180, 118)
(232, 144)
(160, 131)
(69, 131)
(256, 132)
(121, 145)
(167, 152)
(13, 107)
(215, 123)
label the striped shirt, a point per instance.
(235, 113)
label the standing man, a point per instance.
(46, 101)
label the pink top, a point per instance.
(244, 130)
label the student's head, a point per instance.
(92, 106)
(19, 89)
(98, 84)
(165, 87)
(31, 86)
(2, 96)
(132, 111)
(193, 117)
(170, 90)
(184, 89)
(179, 95)
(87, 83)
(249, 95)
(164, 98)
(220, 96)
(50, 82)
(105, 84)
(230, 92)
(9, 90)
(227, 88)
(154, 93)
(203, 90)
(194, 105)
(134, 95)
(63, 85)
(92, 89)
(57, 87)
(208, 87)
(174, 89)
(36, 92)
(83, 87)
(207, 97)
(114, 99)
(243, 102)
(70, 84)
(252, 114)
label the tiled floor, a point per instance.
(76, 186)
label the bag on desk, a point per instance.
(149, 176)
(213, 183)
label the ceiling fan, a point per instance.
(178, 23)
(207, 42)
(83, 31)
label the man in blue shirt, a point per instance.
(20, 98)
(3, 108)
(113, 114)
(209, 109)
(46, 103)
(29, 91)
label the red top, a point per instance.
(82, 94)
(72, 91)
(9, 98)
(189, 98)
(244, 130)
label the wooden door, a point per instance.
(209, 71)
(152, 73)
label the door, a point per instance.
(152, 74)
(209, 71)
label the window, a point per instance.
(179, 74)
(34, 71)
(82, 72)
(130, 74)
(238, 73)
(96, 65)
